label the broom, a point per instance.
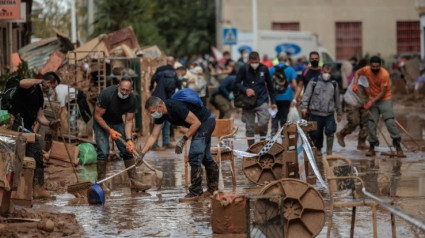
(158, 173)
(80, 188)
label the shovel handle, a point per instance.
(137, 155)
(122, 171)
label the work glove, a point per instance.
(139, 160)
(130, 146)
(54, 125)
(231, 96)
(180, 144)
(114, 134)
(368, 105)
(355, 88)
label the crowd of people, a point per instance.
(257, 86)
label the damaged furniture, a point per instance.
(340, 178)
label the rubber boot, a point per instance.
(396, 143)
(371, 151)
(38, 190)
(340, 137)
(195, 189)
(329, 144)
(361, 144)
(135, 184)
(212, 178)
(101, 173)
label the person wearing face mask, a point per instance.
(27, 108)
(310, 72)
(252, 80)
(200, 123)
(379, 103)
(114, 102)
(164, 83)
(321, 100)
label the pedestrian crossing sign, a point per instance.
(230, 36)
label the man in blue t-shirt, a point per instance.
(114, 102)
(286, 99)
(200, 123)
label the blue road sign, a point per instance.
(230, 36)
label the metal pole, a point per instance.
(90, 15)
(254, 25)
(10, 46)
(422, 27)
(73, 23)
(218, 27)
(395, 211)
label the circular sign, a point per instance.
(293, 49)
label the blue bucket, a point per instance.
(95, 195)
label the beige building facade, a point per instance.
(344, 27)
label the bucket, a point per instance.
(95, 195)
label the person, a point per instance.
(285, 99)
(310, 72)
(166, 81)
(347, 68)
(254, 81)
(322, 100)
(63, 97)
(114, 102)
(223, 60)
(27, 108)
(266, 61)
(379, 103)
(243, 58)
(222, 97)
(198, 83)
(356, 114)
(200, 123)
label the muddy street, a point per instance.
(159, 214)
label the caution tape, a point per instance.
(309, 152)
(250, 138)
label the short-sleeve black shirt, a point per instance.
(115, 106)
(177, 112)
(27, 102)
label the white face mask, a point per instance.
(326, 76)
(255, 66)
(156, 115)
(180, 77)
(122, 96)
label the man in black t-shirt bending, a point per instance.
(201, 124)
(113, 102)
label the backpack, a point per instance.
(279, 79)
(7, 96)
(188, 95)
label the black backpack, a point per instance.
(6, 97)
(279, 79)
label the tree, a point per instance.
(178, 27)
(52, 14)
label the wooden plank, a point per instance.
(58, 151)
(29, 136)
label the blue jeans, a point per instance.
(165, 134)
(200, 146)
(326, 123)
(102, 141)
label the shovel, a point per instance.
(158, 173)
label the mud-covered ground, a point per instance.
(159, 214)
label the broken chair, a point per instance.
(340, 177)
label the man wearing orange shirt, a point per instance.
(380, 103)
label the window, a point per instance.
(408, 37)
(286, 26)
(348, 39)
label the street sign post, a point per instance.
(230, 36)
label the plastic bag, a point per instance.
(293, 115)
(87, 154)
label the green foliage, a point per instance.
(23, 71)
(51, 15)
(178, 27)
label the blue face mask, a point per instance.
(156, 115)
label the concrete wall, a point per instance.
(378, 18)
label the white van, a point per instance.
(298, 43)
